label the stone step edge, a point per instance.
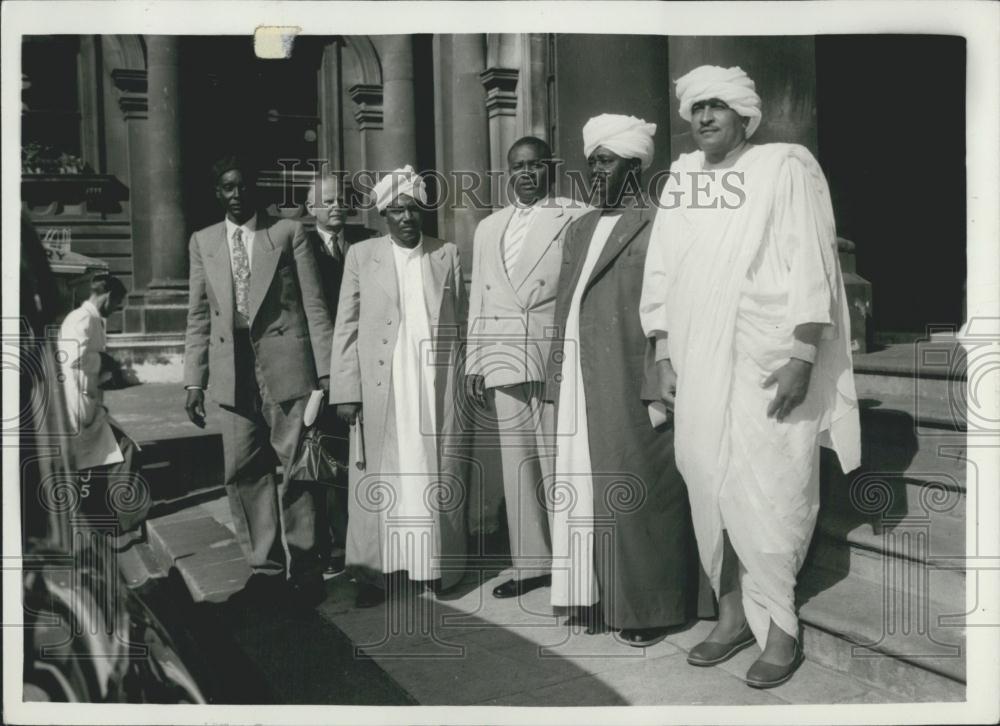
(813, 614)
(832, 526)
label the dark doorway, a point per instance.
(891, 120)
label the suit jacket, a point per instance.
(368, 317)
(81, 342)
(511, 316)
(330, 268)
(290, 326)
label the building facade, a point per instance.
(119, 132)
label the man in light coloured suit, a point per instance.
(517, 254)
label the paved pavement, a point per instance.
(465, 647)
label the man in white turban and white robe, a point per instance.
(744, 296)
(394, 371)
(622, 546)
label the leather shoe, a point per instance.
(515, 588)
(708, 653)
(643, 637)
(768, 675)
(334, 566)
(369, 596)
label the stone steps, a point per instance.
(883, 635)
(874, 602)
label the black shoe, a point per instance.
(308, 592)
(369, 596)
(515, 588)
(643, 637)
(334, 566)
(708, 653)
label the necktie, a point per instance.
(514, 239)
(241, 273)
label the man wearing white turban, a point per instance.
(393, 372)
(622, 547)
(748, 310)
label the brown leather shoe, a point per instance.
(768, 675)
(709, 653)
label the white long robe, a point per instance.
(728, 287)
(411, 541)
(574, 582)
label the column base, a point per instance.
(160, 308)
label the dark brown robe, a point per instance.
(645, 556)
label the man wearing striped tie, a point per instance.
(517, 254)
(258, 338)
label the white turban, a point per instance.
(627, 136)
(400, 181)
(731, 85)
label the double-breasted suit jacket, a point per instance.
(290, 327)
(368, 319)
(510, 315)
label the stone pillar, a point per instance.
(166, 209)
(463, 136)
(398, 141)
(501, 108)
(134, 105)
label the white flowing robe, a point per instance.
(574, 582)
(728, 287)
(411, 541)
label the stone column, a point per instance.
(166, 208)
(463, 136)
(398, 141)
(134, 105)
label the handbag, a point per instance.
(314, 460)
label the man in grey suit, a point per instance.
(259, 337)
(517, 255)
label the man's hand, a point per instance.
(475, 389)
(793, 385)
(324, 383)
(668, 382)
(195, 407)
(349, 412)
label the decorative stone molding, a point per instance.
(132, 86)
(370, 113)
(501, 91)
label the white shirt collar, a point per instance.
(248, 227)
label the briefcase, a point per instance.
(315, 461)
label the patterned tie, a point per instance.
(241, 273)
(514, 239)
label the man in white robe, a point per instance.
(394, 368)
(744, 295)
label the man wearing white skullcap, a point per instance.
(746, 302)
(622, 546)
(394, 372)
